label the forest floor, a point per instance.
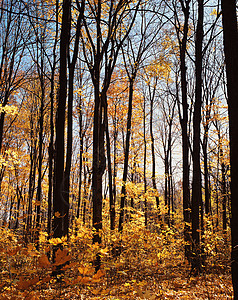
(171, 285)
(150, 266)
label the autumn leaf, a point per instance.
(25, 284)
(86, 271)
(43, 261)
(85, 280)
(99, 274)
(61, 257)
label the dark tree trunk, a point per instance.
(231, 58)
(40, 158)
(166, 185)
(51, 144)
(153, 149)
(168, 165)
(197, 184)
(205, 158)
(206, 175)
(99, 164)
(32, 176)
(223, 191)
(115, 134)
(71, 65)
(80, 161)
(81, 137)
(19, 198)
(109, 165)
(2, 118)
(127, 149)
(60, 206)
(145, 156)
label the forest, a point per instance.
(118, 149)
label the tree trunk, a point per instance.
(231, 59)
(153, 150)
(51, 144)
(109, 165)
(40, 158)
(223, 191)
(32, 176)
(197, 184)
(99, 164)
(206, 176)
(183, 122)
(71, 65)
(80, 161)
(60, 206)
(126, 159)
(145, 181)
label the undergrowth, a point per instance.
(141, 263)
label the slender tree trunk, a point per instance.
(81, 137)
(184, 127)
(206, 176)
(32, 176)
(145, 156)
(109, 165)
(40, 158)
(127, 149)
(166, 186)
(19, 200)
(51, 144)
(197, 183)
(153, 150)
(115, 134)
(80, 165)
(223, 192)
(2, 118)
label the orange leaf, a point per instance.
(85, 280)
(99, 274)
(61, 257)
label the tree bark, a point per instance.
(230, 34)
(109, 166)
(60, 206)
(71, 66)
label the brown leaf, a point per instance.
(24, 284)
(43, 261)
(61, 257)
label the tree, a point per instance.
(101, 52)
(230, 33)
(183, 114)
(60, 206)
(197, 180)
(71, 66)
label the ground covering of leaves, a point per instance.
(151, 266)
